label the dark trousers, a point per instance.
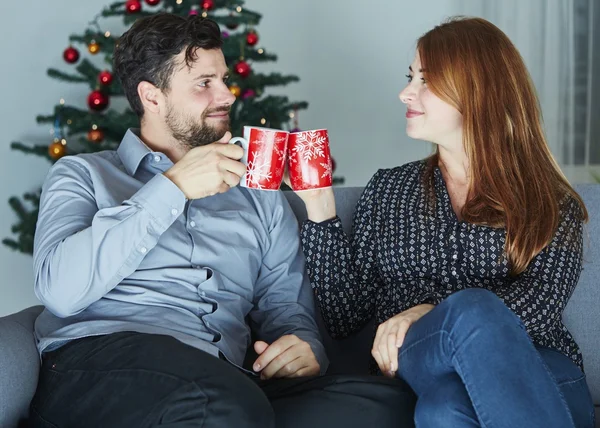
(135, 380)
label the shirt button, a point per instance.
(143, 250)
(192, 224)
(174, 211)
(156, 158)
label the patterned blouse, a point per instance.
(405, 251)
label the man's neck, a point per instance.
(160, 140)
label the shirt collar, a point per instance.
(132, 150)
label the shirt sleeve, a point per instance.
(540, 294)
(82, 252)
(343, 271)
(284, 302)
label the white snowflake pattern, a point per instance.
(279, 152)
(327, 169)
(258, 170)
(310, 145)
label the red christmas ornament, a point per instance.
(252, 38)
(152, 2)
(208, 4)
(105, 78)
(243, 69)
(248, 93)
(133, 6)
(98, 101)
(71, 55)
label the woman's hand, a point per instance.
(390, 336)
(320, 203)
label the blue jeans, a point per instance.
(472, 364)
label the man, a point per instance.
(153, 266)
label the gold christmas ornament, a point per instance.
(57, 149)
(94, 47)
(235, 90)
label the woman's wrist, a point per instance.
(320, 206)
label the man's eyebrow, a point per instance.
(205, 76)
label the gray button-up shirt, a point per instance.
(119, 248)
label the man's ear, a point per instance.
(150, 96)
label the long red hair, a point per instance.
(515, 182)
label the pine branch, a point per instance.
(57, 74)
(25, 227)
(35, 150)
(107, 44)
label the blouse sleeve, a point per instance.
(343, 271)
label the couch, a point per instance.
(19, 361)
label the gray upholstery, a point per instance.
(19, 363)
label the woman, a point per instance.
(467, 258)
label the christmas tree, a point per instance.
(102, 128)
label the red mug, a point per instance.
(309, 160)
(264, 157)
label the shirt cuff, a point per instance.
(162, 199)
(336, 222)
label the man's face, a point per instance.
(198, 99)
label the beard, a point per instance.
(190, 133)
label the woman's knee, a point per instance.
(480, 306)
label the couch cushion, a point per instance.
(19, 365)
(582, 313)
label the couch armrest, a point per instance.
(19, 365)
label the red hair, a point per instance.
(515, 182)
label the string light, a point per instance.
(62, 101)
(69, 121)
(204, 14)
(107, 34)
(94, 127)
(292, 115)
(238, 9)
(261, 51)
(179, 1)
(263, 121)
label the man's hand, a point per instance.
(390, 336)
(208, 170)
(287, 357)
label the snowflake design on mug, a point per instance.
(327, 167)
(259, 169)
(280, 153)
(310, 145)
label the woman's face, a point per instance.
(429, 118)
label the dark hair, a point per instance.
(147, 50)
